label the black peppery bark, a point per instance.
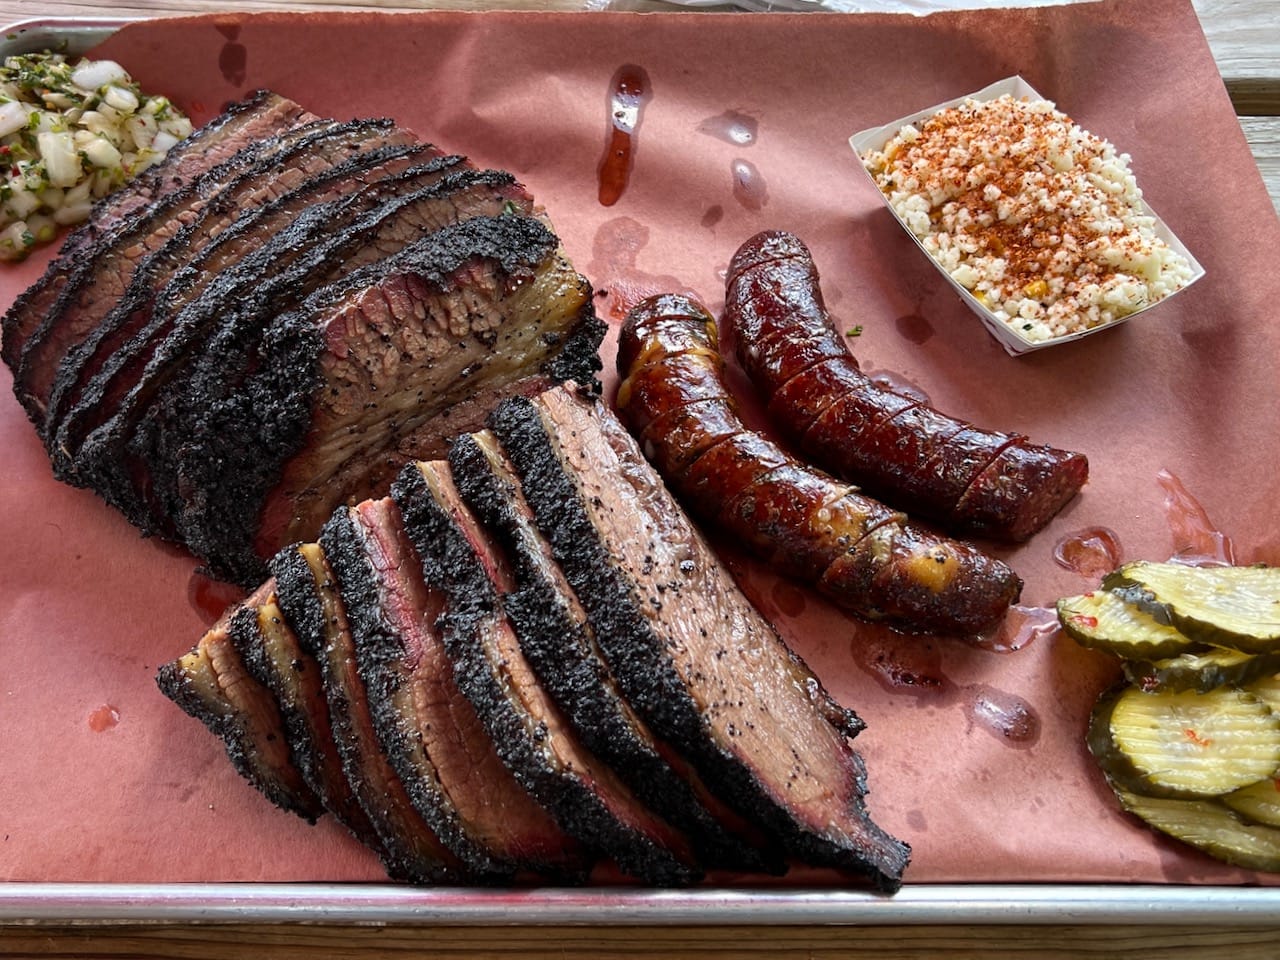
(532, 736)
(560, 643)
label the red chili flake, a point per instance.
(1195, 738)
(1084, 620)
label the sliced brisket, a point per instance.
(260, 116)
(212, 685)
(701, 665)
(274, 658)
(560, 643)
(241, 218)
(309, 597)
(534, 738)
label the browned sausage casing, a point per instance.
(932, 465)
(861, 554)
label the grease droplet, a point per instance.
(1092, 552)
(1196, 541)
(900, 663)
(788, 598)
(749, 188)
(104, 718)
(1020, 627)
(210, 598)
(628, 93)
(1005, 716)
(740, 129)
(914, 328)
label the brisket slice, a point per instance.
(700, 664)
(309, 597)
(240, 218)
(560, 643)
(477, 305)
(429, 730)
(326, 241)
(103, 275)
(533, 737)
(257, 117)
(265, 236)
(274, 658)
(212, 685)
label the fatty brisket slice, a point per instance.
(534, 738)
(211, 684)
(243, 216)
(101, 277)
(311, 601)
(476, 307)
(430, 732)
(257, 117)
(273, 656)
(559, 640)
(173, 318)
(701, 665)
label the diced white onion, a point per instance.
(93, 74)
(13, 117)
(58, 151)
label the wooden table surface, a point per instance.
(1245, 38)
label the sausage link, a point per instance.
(861, 554)
(930, 464)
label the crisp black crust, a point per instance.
(313, 606)
(248, 212)
(577, 799)
(104, 273)
(119, 379)
(907, 453)
(560, 644)
(236, 453)
(125, 458)
(279, 663)
(617, 599)
(257, 117)
(378, 648)
(246, 721)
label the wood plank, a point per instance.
(1263, 134)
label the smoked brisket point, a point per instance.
(186, 355)
(533, 736)
(559, 641)
(258, 117)
(312, 603)
(239, 219)
(706, 671)
(476, 307)
(211, 684)
(439, 748)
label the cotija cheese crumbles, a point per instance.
(1042, 221)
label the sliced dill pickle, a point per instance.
(1209, 826)
(1184, 744)
(1237, 607)
(1259, 802)
(1104, 621)
(1267, 689)
(1201, 672)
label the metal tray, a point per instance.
(925, 904)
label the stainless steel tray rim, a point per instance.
(925, 904)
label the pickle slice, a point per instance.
(1258, 802)
(1237, 607)
(1104, 621)
(1184, 744)
(1267, 689)
(1209, 826)
(1201, 672)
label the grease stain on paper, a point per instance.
(629, 91)
(1196, 540)
(210, 598)
(749, 187)
(615, 253)
(233, 58)
(732, 126)
(1091, 552)
(103, 718)
(914, 328)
